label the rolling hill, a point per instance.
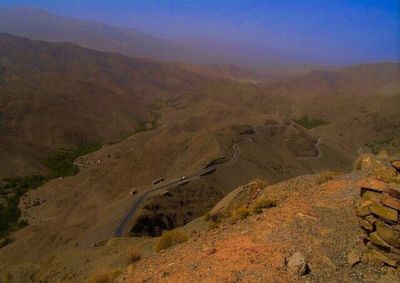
(59, 95)
(357, 80)
(35, 23)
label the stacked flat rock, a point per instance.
(379, 212)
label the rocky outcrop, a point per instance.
(240, 197)
(379, 210)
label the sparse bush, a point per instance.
(357, 163)
(104, 276)
(141, 127)
(376, 146)
(263, 202)
(212, 225)
(310, 123)
(134, 255)
(21, 224)
(366, 160)
(327, 175)
(5, 241)
(170, 238)
(240, 213)
(207, 217)
(16, 187)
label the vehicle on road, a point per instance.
(155, 182)
(183, 178)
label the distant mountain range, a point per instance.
(58, 95)
(36, 23)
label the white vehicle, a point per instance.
(183, 178)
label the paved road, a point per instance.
(120, 229)
(317, 145)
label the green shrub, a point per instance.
(310, 123)
(141, 127)
(261, 203)
(16, 187)
(62, 164)
(170, 238)
(240, 213)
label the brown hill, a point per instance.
(73, 95)
(36, 23)
(58, 95)
(314, 215)
(363, 79)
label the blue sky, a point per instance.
(347, 31)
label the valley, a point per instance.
(113, 140)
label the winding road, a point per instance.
(317, 145)
(121, 227)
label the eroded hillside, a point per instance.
(302, 229)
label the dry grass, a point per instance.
(358, 163)
(261, 203)
(327, 175)
(104, 276)
(170, 238)
(240, 213)
(212, 225)
(133, 255)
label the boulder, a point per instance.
(353, 258)
(240, 197)
(297, 264)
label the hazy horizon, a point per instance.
(334, 33)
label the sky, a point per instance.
(338, 30)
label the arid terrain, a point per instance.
(104, 151)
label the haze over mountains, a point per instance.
(73, 95)
(36, 23)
